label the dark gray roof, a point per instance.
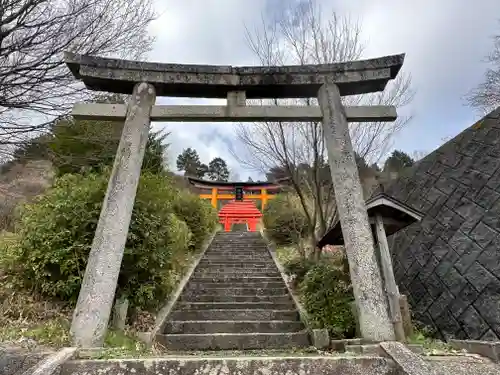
(401, 216)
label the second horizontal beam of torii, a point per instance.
(209, 113)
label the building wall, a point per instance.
(449, 263)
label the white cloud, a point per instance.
(444, 43)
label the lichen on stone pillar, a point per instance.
(97, 293)
(374, 320)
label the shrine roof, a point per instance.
(200, 183)
(215, 81)
(396, 215)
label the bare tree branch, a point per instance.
(486, 96)
(302, 35)
(35, 84)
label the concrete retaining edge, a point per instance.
(166, 310)
(50, 365)
(304, 318)
(246, 365)
(489, 349)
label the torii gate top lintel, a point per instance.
(216, 81)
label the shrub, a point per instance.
(298, 268)
(326, 293)
(198, 214)
(56, 233)
(284, 220)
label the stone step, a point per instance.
(215, 258)
(232, 291)
(235, 284)
(231, 251)
(244, 242)
(223, 263)
(206, 298)
(238, 260)
(234, 314)
(227, 269)
(225, 326)
(235, 248)
(235, 305)
(238, 257)
(237, 278)
(248, 365)
(241, 244)
(237, 251)
(211, 274)
(235, 341)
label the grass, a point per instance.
(431, 346)
(285, 254)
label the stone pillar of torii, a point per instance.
(144, 81)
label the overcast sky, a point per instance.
(445, 43)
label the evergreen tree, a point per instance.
(398, 161)
(189, 162)
(217, 170)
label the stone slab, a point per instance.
(211, 81)
(13, 362)
(489, 349)
(233, 326)
(364, 349)
(51, 364)
(316, 365)
(233, 314)
(340, 345)
(234, 341)
(320, 338)
(407, 361)
(212, 113)
(462, 365)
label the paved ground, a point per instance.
(463, 365)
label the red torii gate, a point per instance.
(242, 196)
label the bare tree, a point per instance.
(35, 85)
(486, 96)
(302, 36)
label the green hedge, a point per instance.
(56, 231)
(327, 294)
(198, 214)
(325, 290)
(284, 220)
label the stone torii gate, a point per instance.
(144, 81)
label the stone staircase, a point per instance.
(236, 299)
